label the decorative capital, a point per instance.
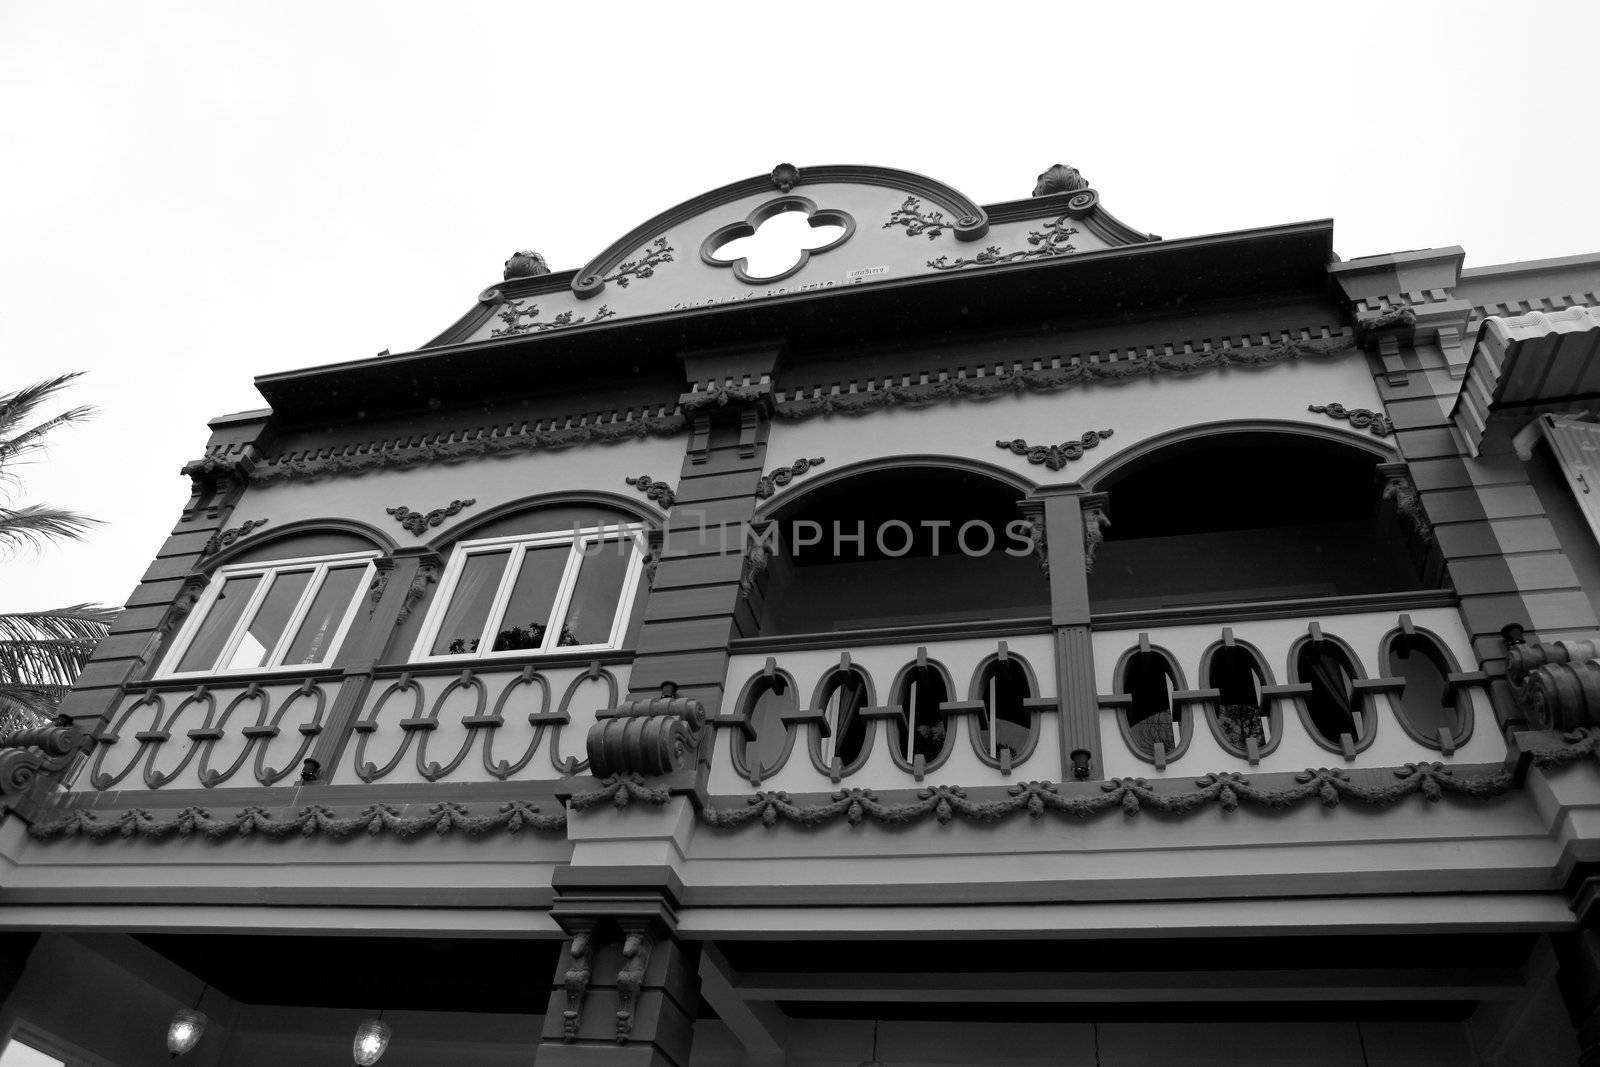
(1060, 179)
(525, 265)
(1095, 524)
(1398, 486)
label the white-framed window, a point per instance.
(280, 615)
(560, 591)
(28, 1046)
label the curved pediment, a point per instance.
(793, 231)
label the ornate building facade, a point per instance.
(843, 622)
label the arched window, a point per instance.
(1005, 724)
(1335, 710)
(545, 588)
(1240, 714)
(897, 547)
(1248, 517)
(921, 729)
(767, 698)
(275, 609)
(1147, 678)
(842, 697)
(1429, 709)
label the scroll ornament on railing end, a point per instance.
(1557, 685)
(26, 754)
(651, 737)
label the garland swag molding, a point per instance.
(1226, 790)
(608, 428)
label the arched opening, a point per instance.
(842, 697)
(920, 729)
(1148, 679)
(1249, 516)
(1334, 709)
(283, 603)
(767, 699)
(1241, 716)
(1005, 724)
(1427, 705)
(898, 547)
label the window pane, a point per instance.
(219, 623)
(528, 611)
(321, 625)
(594, 601)
(270, 620)
(469, 607)
(19, 1055)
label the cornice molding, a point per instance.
(1073, 371)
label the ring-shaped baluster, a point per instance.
(308, 733)
(370, 772)
(154, 778)
(572, 764)
(502, 769)
(97, 776)
(432, 770)
(213, 734)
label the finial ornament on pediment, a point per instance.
(525, 265)
(785, 176)
(1060, 179)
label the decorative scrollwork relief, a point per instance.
(655, 254)
(219, 541)
(1053, 240)
(658, 491)
(1376, 422)
(418, 523)
(521, 320)
(770, 483)
(26, 754)
(1056, 457)
(916, 221)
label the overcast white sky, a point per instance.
(196, 193)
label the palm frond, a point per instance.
(22, 706)
(32, 439)
(16, 407)
(49, 648)
(36, 525)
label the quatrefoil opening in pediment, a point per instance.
(777, 239)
